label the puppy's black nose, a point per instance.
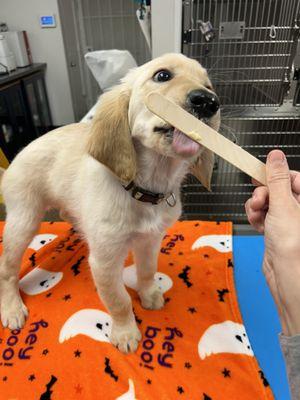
(203, 103)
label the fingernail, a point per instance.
(276, 157)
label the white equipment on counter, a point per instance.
(7, 59)
(18, 43)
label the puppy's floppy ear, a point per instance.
(110, 139)
(202, 168)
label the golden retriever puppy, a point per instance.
(118, 179)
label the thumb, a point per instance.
(278, 178)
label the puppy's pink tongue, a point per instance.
(183, 145)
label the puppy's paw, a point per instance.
(126, 337)
(152, 298)
(13, 314)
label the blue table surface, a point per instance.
(259, 311)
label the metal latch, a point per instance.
(207, 30)
(296, 76)
(187, 36)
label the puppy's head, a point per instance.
(123, 118)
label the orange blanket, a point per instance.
(195, 348)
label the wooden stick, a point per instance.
(206, 136)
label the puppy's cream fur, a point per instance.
(79, 169)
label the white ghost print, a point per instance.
(39, 280)
(40, 241)
(221, 243)
(93, 323)
(163, 281)
(226, 337)
(130, 395)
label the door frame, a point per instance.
(71, 25)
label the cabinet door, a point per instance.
(36, 95)
(7, 137)
(20, 117)
(33, 105)
(43, 103)
(15, 127)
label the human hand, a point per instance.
(275, 211)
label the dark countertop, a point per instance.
(21, 73)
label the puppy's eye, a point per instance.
(162, 76)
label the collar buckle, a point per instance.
(170, 199)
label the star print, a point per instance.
(221, 294)
(180, 253)
(167, 299)
(196, 225)
(77, 353)
(78, 389)
(149, 381)
(192, 310)
(184, 275)
(31, 377)
(45, 352)
(264, 380)
(187, 365)
(4, 378)
(206, 256)
(67, 297)
(180, 389)
(48, 294)
(138, 320)
(33, 259)
(229, 263)
(226, 373)
(171, 264)
(208, 273)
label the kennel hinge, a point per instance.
(187, 36)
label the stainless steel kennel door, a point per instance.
(248, 47)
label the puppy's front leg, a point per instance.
(146, 248)
(107, 272)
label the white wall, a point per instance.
(166, 17)
(46, 46)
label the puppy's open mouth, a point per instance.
(181, 144)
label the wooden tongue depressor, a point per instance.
(206, 136)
